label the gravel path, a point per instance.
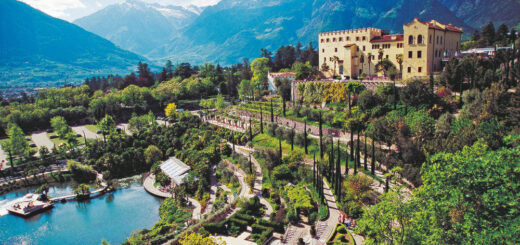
(87, 133)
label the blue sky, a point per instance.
(73, 9)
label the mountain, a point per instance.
(138, 26)
(37, 48)
(234, 29)
(478, 13)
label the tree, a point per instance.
(183, 70)
(260, 68)
(302, 70)
(284, 90)
(501, 34)
(416, 93)
(488, 33)
(272, 112)
(171, 111)
(59, 124)
(321, 138)
(152, 154)
(107, 124)
(384, 66)
(16, 145)
(378, 221)
(220, 103)
(305, 136)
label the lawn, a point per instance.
(56, 141)
(93, 128)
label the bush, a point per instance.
(278, 227)
(81, 172)
(264, 236)
(248, 218)
(257, 228)
(216, 228)
(312, 217)
(341, 229)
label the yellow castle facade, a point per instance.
(418, 52)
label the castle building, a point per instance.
(418, 51)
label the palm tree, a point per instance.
(399, 58)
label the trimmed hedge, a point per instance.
(278, 227)
(216, 228)
(245, 217)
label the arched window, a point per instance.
(410, 40)
(419, 39)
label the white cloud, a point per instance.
(71, 10)
(56, 8)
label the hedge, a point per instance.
(216, 228)
(278, 227)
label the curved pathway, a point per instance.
(257, 187)
(148, 185)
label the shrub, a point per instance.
(81, 172)
(341, 229)
(312, 217)
(216, 228)
(278, 227)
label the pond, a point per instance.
(113, 216)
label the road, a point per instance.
(41, 139)
(86, 132)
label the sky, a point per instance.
(71, 10)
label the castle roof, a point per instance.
(388, 38)
(433, 24)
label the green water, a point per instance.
(113, 216)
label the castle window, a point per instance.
(419, 54)
(336, 50)
(419, 39)
(323, 50)
(340, 39)
(409, 69)
(328, 40)
(410, 40)
(387, 56)
(364, 38)
(322, 40)
(324, 59)
(333, 39)
(348, 38)
(410, 54)
(357, 38)
(419, 69)
(363, 48)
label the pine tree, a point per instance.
(292, 139)
(358, 154)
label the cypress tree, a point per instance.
(346, 162)
(280, 148)
(314, 171)
(272, 113)
(373, 156)
(305, 136)
(321, 140)
(365, 156)
(331, 163)
(250, 164)
(358, 154)
(351, 145)
(250, 130)
(387, 183)
(261, 120)
(338, 172)
(283, 101)
(292, 139)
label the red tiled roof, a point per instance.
(388, 38)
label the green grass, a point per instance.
(56, 141)
(93, 128)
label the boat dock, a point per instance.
(29, 205)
